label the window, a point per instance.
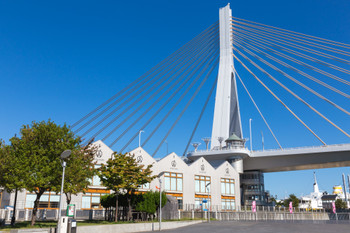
(200, 184)
(49, 200)
(144, 186)
(173, 181)
(228, 204)
(91, 200)
(198, 200)
(227, 186)
(96, 181)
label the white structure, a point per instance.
(314, 200)
(227, 118)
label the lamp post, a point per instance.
(250, 134)
(166, 142)
(141, 131)
(207, 186)
(65, 154)
(160, 203)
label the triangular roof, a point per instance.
(142, 156)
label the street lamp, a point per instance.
(141, 131)
(207, 186)
(65, 154)
(160, 203)
(167, 152)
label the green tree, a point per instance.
(292, 198)
(79, 171)
(340, 204)
(11, 178)
(123, 173)
(37, 154)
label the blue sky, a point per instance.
(60, 60)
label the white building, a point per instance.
(190, 182)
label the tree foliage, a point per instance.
(340, 204)
(292, 198)
(37, 155)
(123, 173)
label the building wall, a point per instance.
(171, 164)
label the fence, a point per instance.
(268, 214)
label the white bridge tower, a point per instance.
(227, 119)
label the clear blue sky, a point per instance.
(60, 60)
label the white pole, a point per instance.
(60, 205)
(141, 131)
(160, 204)
(250, 134)
(207, 186)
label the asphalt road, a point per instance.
(264, 227)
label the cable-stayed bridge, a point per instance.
(228, 50)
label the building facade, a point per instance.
(190, 182)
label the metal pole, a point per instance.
(60, 205)
(167, 152)
(250, 134)
(141, 131)
(160, 204)
(207, 186)
(345, 192)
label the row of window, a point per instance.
(174, 182)
(50, 200)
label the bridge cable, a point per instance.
(257, 108)
(274, 95)
(200, 116)
(181, 52)
(187, 105)
(253, 37)
(137, 80)
(290, 77)
(283, 34)
(252, 43)
(156, 113)
(160, 108)
(159, 98)
(309, 50)
(315, 38)
(277, 35)
(176, 64)
(291, 92)
(180, 99)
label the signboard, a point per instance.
(70, 210)
(205, 209)
(205, 201)
(290, 207)
(333, 207)
(254, 206)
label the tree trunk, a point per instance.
(128, 196)
(68, 198)
(36, 205)
(116, 208)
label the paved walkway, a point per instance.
(264, 227)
